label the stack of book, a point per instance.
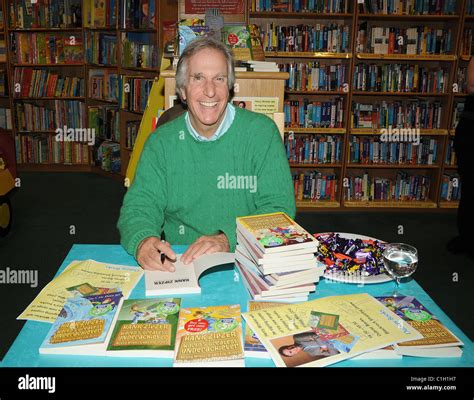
(275, 257)
(256, 66)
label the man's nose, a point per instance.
(209, 88)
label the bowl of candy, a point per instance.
(352, 258)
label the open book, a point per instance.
(185, 278)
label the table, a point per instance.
(222, 286)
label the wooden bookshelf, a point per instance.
(346, 168)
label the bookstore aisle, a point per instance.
(375, 89)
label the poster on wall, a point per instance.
(231, 10)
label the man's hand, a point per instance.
(206, 245)
(149, 255)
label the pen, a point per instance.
(163, 255)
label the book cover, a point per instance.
(436, 336)
(327, 330)
(145, 327)
(209, 336)
(252, 345)
(275, 232)
(82, 321)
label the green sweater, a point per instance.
(191, 189)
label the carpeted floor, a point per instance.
(49, 206)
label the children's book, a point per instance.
(244, 41)
(275, 233)
(252, 346)
(437, 340)
(184, 279)
(83, 325)
(209, 337)
(145, 328)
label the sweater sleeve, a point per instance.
(274, 189)
(142, 212)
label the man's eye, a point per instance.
(197, 77)
(220, 79)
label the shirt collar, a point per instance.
(221, 130)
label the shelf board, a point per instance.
(113, 102)
(450, 167)
(317, 92)
(304, 54)
(461, 95)
(110, 29)
(94, 65)
(389, 204)
(315, 165)
(410, 17)
(317, 204)
(368, 131)
(72, 29)
(452, 132)
(329, 131)
(138, 30)
(133, 112)
(415, 94)
(408, 57)
(54, 167)
(464, 57)
(449, 204)
(281, 14)
(393, 166)
(47, 65)
(79, 98)
(145, 69)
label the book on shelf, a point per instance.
(131, 133)
(83, 326)
(450, 158)
(314, 114)
(436, 341)
(4, 84)
(315, 185)
(27, 14)
(185, 278)
(458, 109)
(333, 38)
(313, 149)
(47, 48)
(407, 7)
(45, 83)
(396, 78)
(3, 50)
(104, 85)
(139, 50)
(467, 42)
(190, 29)
(101, 48)
(410, 113)
(325, 331)
(373, 150)
(403, 187)
(134, 93)
(450, 187)
(209, 337)
(5, 118)
(315, 76)
(138, 14)
(256, 66)
(107, 156)
(105, 122)
(313, 6)
(44, 149)
(420, 40)
(245, 43)
(100, 13)
(145, 328)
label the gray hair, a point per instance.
(191, 49)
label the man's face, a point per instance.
(206, 92)
(292, 350)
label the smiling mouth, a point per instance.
(208, 104)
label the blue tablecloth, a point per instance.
(220, 287)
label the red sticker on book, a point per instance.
(233, 38)
(196, 325)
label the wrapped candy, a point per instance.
(361, 256)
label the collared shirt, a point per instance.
(221, 130)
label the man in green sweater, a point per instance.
(200, 171)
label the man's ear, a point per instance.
(183, 94)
